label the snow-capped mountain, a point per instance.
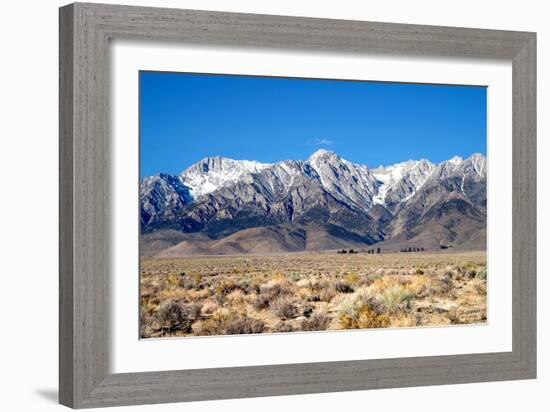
(162, 197)
(400, 181)
(220, 196)
(346, 181)
(211, 173)
(343, 179)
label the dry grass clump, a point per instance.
(362, 310)
(365, 317)
(405, 320)
(209, 307)
(352, 278)
(193, 281)
(273, 290)
(318, 289)
(283, 327)
(442, 285)
(221, 295)
(317, 321)
(172, 315)
(343, 287)
(225, 287)
(285, 307)
(482, 274)
(225, 322)
(481, 288)
(326, 295)
(395, 297)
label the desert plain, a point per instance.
(310, 291)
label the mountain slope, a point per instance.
(436, 204)
(267, 240)
(212, 173)
(161, 198)
(400, 182)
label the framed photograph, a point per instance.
(255, 205)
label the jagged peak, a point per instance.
(398, 168)
(323, 153)
(220, 163)
(351, 183)
(478, 162)
(476, 155)
(455, 160)
(159, 177)
(213, 172)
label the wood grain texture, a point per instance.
(524, 225)
(85, 31)
(66, 109)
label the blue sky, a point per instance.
(185, 117)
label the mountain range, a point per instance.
(224, 206)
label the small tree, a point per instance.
(378, 250)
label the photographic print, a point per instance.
(278, 205)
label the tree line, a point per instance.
(369, 251)
(378, 250)
(412, 249)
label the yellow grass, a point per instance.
(207, 295)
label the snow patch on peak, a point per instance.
(346, 181)
(322, 154)
(162, 195)
(456, 160)
(354, 184)
(412, 174)
(478, 163)
(212, 173)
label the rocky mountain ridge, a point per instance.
(218, 197)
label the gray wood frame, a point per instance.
(85, 31)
